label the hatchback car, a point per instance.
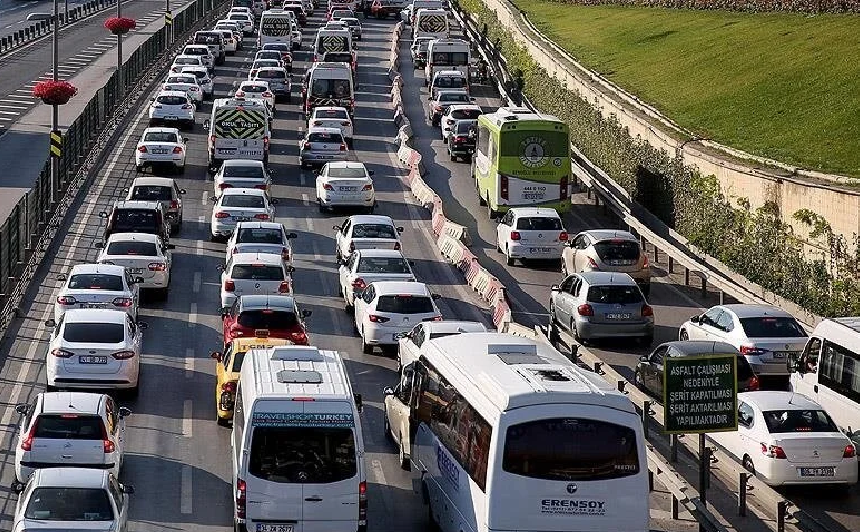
(203, 79)
(463, 139)
(163, 190)
(648, 374)
(278, 80)
(530, 233)
(257, 90)
(261, 237)
(268, 316)
(186, 83)
(160, 148)
(172, 108)
(94, 348)
(236, 205)
(72, 498)
(144, 256)
(203, 53)
(786, 438)
(457, 112)
(444, 99)
(367, 266)
(322, 145)
(409, 344)
(254, 273)
(594, 305)
(242, 173)
(766, 335)
(182, 61)
(387, 309)
(608, 250)
(97, 286)
(333, 117)
(135, 216)
(345, 184)
(365, 231)
(70, 429)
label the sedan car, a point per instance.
(334, 117)
(254, 273)
(345, 184)
(160, 147)
(322, 145)
(387, 309)
(530, 233)
(285, 50)
(145, 256)
(79, 429)
(261, 237)
(786, 438)
(444, 99)
(463, 139)
(202, 51)
(278, 80)
(409, 344)
(72, 498)
(261, 62)
(94, 348)
(367, 266)
(186, 83)
(97, 286)
(457, 112)
(243, 19)
(242, 173)
(256, 90)
(766, 335)
(268, 316)
(163, 190)
(203, 79)
(365, 231)
(236, 205)
(354, 26)
(593, 305)
(608, 250)
(173, 108)
(182, 61)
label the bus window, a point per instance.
(483, 140)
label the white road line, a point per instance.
(317, 255)
(197, 282)
(9, 113)
(310, 224)
(26, 100)
(187, 420)
(305, 199)
(192, 316)
(189, 363)
(376, 466)
(186, 491)
(205, 199)
(302, 178)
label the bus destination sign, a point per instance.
(700, 394)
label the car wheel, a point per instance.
(320, 205)
(748, 464)
(367, 349)
(508, 259)
(221, 421)
(405, 463)
(683, 336)
(386, 427)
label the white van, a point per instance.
(276, 25)
(430, 23)
(828, 371)
(332, 40)
(328, 84)
(297, 446)
(445, 55)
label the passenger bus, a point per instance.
(521, 160)
(504, 433)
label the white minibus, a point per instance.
(447, 54)
(430, 23)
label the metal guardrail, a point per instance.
(45, 27)
(27, 232)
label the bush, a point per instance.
(751, 6)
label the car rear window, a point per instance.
(269, 54)
(95, 333)
(96, 281)
(152, 192)
(405, 304)
(347, 172)
(195, 51)
(268, 319)
(253, 88)
(382, 265)
(338, 57)
(69, 504)
(786, 421)
(259, 235)
(182, 79)
(164, 136)
(617, 250)
(131, 247)
(257, 272)
(539, 223)
(242, 200)
(450, 82)
(331, 113)
(263, 63)
(69, 427)
(772, 327)
(134, 220)
(614, 295)
(374, 231)
(466, 126)
(198, 74)
(243, 171)
(330, 138)
(298, 455)
(186, 61)
(457, 97)
(459, 114)
(271, 74)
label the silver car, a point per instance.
(322, 145)
(608, 250)
(278, 80)
(163, 190)
(594, 305)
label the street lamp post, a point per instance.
(55, 109)
(120, 80)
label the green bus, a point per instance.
(521, 159)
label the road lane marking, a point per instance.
(305, 201)
(186, 417)
(205, 198)
(192, 316)
(186, 491)
(189, 363)
(198, 279)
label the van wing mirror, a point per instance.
(22, 408)
(359, 402)
(792, 363)
(388, 390)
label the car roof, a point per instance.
(242, 162)
(756, 311)
(377, 252)
(153, 181)
(137, 237)
(607, 278)
(162, 129)
(254, 83)
(259, 301)
(269, 67)
(171, 92)
(544, 212)
(97, 315)
(371, 219)
(260, 225)
(329, 108)
(465, 107)
(137, 204)
(320, 129)
(454, 326)
(698, 347)
(104, 269)
(71, 477)
(387, 288)
(778, 400)
(346, 164)
(269, 259)
(239, 191)
(66, 402)
(607, 234)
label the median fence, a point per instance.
(45, 27)
(28, 232)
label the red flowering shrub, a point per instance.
(54, 92)
(120, 25)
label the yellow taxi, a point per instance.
(227, 367)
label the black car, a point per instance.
(133, 216)
(463, 139)
(649, 370)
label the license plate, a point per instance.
(92, 305)
(274, 527)
(817, 471)
(780, 354)
(348, 189)
(241, 218)
(135, 270)
(159, 152)
(171, 118)
(87, 359)
(261, 333)
(617, 316)
(257, 153)
(540, 250)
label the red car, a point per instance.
(266, 316)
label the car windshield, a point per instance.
(132, 247)
(94, 333)
(96, 281)
(539, 223)
(383, 265)
(614, 295)
(164, 136)
(330, 138)
(268, 319)
(329, 114)
(257, 272)
(450, 58)
(135, 220)
(259, 235)
(262, 63)
(69, 427)
(626, 250)
(772, 327)
(453, 97)
(405, 304)
(242, 200)
(312, 455)
(152, 192)
(350, 171)
(785, 421)
(331, 88)
(271, 74)
(242, 171)
(374, 231)
(69, 504)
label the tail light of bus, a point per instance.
(503, 186)
(362, 503)
(562, 188)
(241, 498)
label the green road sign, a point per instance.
(700, 394)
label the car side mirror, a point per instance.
(695, 319)
(17, 487)
(220, 267)
(337, 228)
(215, 355)
(170, 246)
(290, 269)
(103, 214)
(128, 489)
(399, 229)
(316, 171)
(388, 390)
(370, 172)
(643, 358)
(274, 201)
(307, 313)
(50, 323)
(124, 412)
(62, 277)
(436, 296)
(142, 325)
(22, 408)
(138, 280)
(555, 288)
(291, 236)
(359, 401)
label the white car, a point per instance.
(246, 20)
(530, 233)
(97, 286)
(94, 348)
(458, 112)
(345, 184)
(276, 76)
(765, 335)
(256, 90)
(160, 147)
(172, 108)
(202, 51)
(263, 63)
(70, 429)
(254, 273)
(231, 43)
(100, 501)
(387, 309)
(365, 231)
(182, 61)
(203, 79)
(242, 173)
(261, 237)
(367, 266)
(334, 117)
(145, 256)
(296, 38)
(409, 344)
(236, 205)
(786, 438)
(186, 83)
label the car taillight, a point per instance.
(342, 146)
(284, 287)
(751, 350)
(503, 186)
(562, 188)
(61, 353)
(515, 235)
(645, 263)
(397, 245)
(299, 338)
(562, 237)
(141, 149)
(362, 503)
(359, 284)
(267, 94)
(585, 310)
(285, 254)
(240, 498)
(27, 442)
(261, 216)
(849, 452)
(229, 286)
(459, 138)
(123, 355)
(592, 263)
(108, 446)
(307, 145)
(66, 300)
(222, 214)
(647, 311)
(229, 387)
(266, 142)
(188, 106)
(123, 302)
(157, 266)
(222, 186)
(754, 384)
(368, 186)
(177, 149)
(174, 204)
(240, 94)
(378, 319)
(346, 123)
(351, 247)
(328, 187)
(437, 108)
(773, 451)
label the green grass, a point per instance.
(782, 86)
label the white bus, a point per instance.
(504, 433)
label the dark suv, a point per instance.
(137, 217)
